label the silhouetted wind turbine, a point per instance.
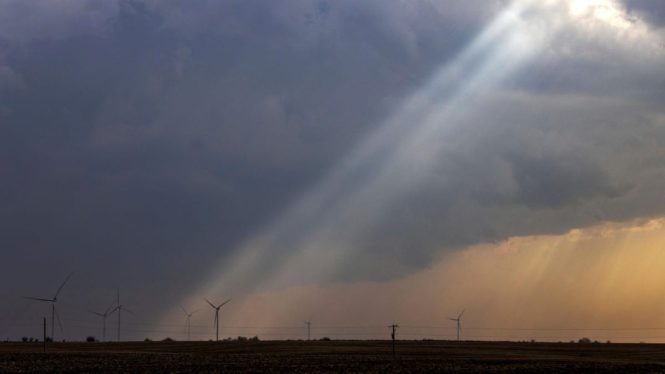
(54, 313)
(119, 308)
(309, 328)
(216, 307)
(106, 313)
(189, 317)
(459, 323)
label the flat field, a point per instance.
(332, 356)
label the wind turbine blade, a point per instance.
(97, 314)
(114, 310)
(37, 298)
(196, 311)
(460, 315)
(222, 304)
(62, 285)
(129, 311)
(57, 318)
(184, 311)
(211, 304)
(109, 310)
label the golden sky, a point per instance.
(605, 282)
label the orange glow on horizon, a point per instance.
(603, 282)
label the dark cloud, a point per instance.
(141, 141)
(652, 11)
(56, 20)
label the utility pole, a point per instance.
(44, 334)
(53, 322)
(393, 335)
(309, 329)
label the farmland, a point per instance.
(331, 356)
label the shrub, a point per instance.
(90, 339)
(584, 341)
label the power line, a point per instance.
(26, 321)
(370, 331)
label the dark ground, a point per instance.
(332, 356)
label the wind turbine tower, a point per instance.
(54, 312)
(459, 323)
(216, 308)
(309, 329)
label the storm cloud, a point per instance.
(651, 11)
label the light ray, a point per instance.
(308, 235)
(321, 232)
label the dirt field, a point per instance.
(332, 356)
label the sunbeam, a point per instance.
(326, 232)
(323, 230)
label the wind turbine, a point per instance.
(189, 317)
(119, 308)
(106, 313)
(309, 328)
(459, 323)
(54, 313)
(216, 307)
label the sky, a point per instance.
(356, 163)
